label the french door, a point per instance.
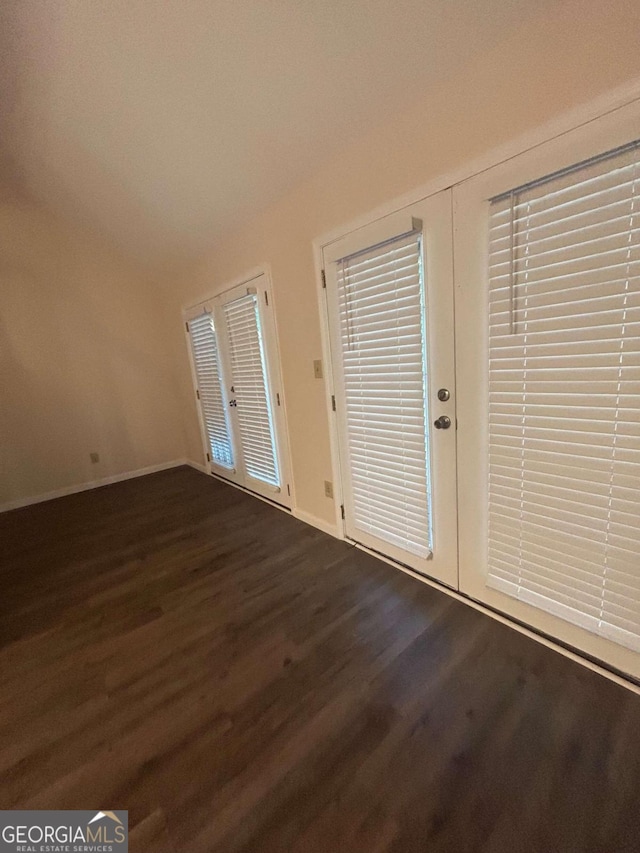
(389, 289)
(239, 390)
(547, 259)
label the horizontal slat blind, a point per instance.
(564, 396)
(380, 294)
(246, 353)
(204, 346)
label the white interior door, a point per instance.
(237, 373)
(390, 305)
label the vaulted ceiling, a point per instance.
(164, 122)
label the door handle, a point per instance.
(443, 422)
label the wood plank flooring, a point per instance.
(240, 681)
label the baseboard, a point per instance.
(92, 484)
(199, 466)
(314, 521)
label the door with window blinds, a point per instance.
(389, 293)
(563, 403)
(251, 403)
(237, 376)
(211, 393)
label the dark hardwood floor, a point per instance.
(240, 681)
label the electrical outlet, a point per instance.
(328, 489)
(94, 457)
(317, 369)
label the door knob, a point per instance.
(443, 422)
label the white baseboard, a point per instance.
(199, 466)
(92, 484)
(314, 521)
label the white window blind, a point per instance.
(204, 346)
(248, 368)
(564, 395)
(382, 333)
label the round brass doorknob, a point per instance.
(443, 422)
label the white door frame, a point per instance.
(626, 95)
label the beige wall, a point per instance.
(83, 360)
(556, 62)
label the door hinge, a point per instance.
(187, 326)
(288, 489)
(342, 510)
(324, 278)
(266, 297)
(333, 402)
(197, 394)
(208, 458)
(278, 397)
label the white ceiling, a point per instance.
(164, 122)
